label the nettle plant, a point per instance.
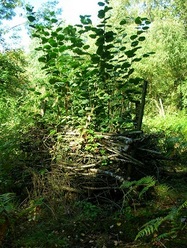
(90, 69)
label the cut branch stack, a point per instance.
(101, 162)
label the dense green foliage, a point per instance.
(77, 167)
(92, 83)
(7, 8)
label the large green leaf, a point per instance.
(109, 36)
(31, 18)
(141, 38)
(123, 22)
(101, 14)
(101, 3)
(126, 65)
(133, 37)
(42, 59)
(100, 41)
(95, 59)
(138, 20)
(53, 20)
(134, 43)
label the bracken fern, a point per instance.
(173, 217)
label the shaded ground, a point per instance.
(64, 209)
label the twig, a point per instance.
(119, 178)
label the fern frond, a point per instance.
(150, 227)
(6, 198)
(148, 182)
(184, 205)
(171, 234)
(127, 184)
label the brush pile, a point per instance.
(101, 162)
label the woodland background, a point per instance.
(93, 136)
